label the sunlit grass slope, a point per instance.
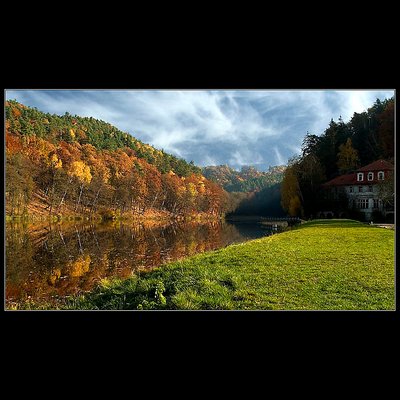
(320, 265)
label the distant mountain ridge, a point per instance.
(248, 179)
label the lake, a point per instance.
(49, 262)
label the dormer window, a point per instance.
(381, 175)
(370, 176)
(360, 176)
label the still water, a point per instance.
(51, 262)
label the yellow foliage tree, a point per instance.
(55, 162)
(81, 171)
(201, 187)
(347, 157)
(295, 207)
(192, 189)
(290, 193)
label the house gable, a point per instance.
(371, 174)
(361, 188)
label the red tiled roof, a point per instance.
(379, 165)
(349, 179)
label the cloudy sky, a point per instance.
(212, 127)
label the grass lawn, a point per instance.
(320, 265)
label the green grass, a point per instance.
(320, 265)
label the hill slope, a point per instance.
(70, 164)
(54, 128)
(248, 179)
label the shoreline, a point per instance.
(305, 268)
(150, 217)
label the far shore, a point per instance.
(161, 217)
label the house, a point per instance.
(362, 190)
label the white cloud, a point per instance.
(359, 100)
(245, 156)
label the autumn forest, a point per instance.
(68, 165)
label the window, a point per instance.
(351, 189)
(376, 203)
(360, 176)
(362, 203)
(381, 175)
(370, 188)
(360, 189)
(370, 176)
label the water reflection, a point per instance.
(49, 262)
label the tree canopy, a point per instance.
(89, 166)
(342, 148)
(248, 179)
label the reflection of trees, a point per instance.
(19, 251)
(52, 261)
(79, 266)
(54, 275)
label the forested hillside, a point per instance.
(252, 191)
(342, 148)
(66, 164)
(248, 179)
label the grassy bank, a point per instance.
(320, 265)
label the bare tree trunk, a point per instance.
(79, 199)
(65, 193)
(95, 200)
(132, 206)
(79, 240)
(154, 201)
(62, 237)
